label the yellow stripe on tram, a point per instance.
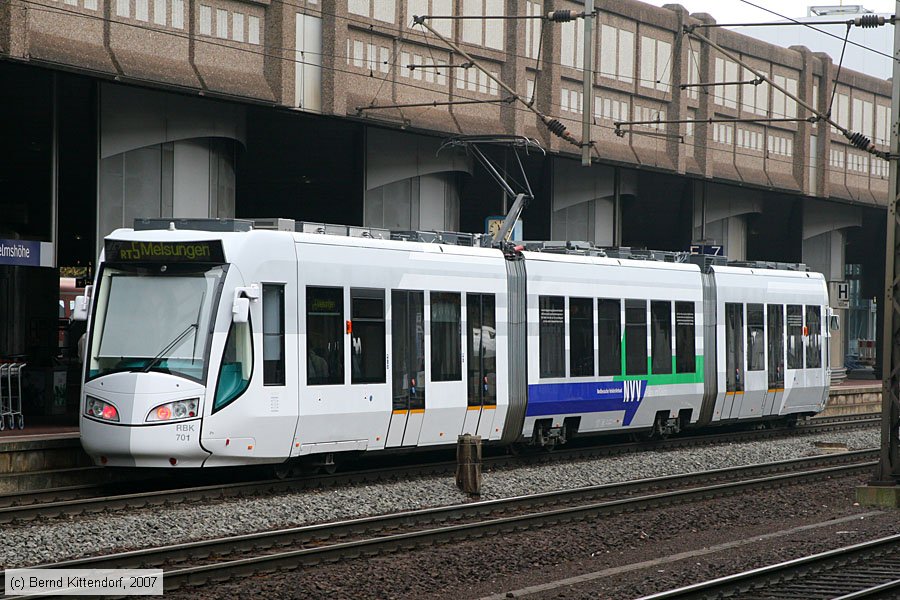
(416, 410)
(401, 411)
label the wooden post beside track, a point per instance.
(468, 464)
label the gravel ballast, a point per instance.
(33, 543)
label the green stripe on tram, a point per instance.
(663, 378)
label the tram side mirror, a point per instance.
(82, 304)
(834, 322)
(240, 310)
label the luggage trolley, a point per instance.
(11, 396)
(5, 401)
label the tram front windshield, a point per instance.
(151, 320)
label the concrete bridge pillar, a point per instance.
(409, 185)
(824, 245)
(164, 155)
(720, 216)
(587, 202)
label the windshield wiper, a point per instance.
(170, 346)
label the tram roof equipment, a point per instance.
(456, 238)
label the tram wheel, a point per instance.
(283, 470)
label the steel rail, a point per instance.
(546, 508)
(798, 578)
(73, 500)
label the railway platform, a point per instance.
(41, 456)
(853, 397)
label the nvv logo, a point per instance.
(633, 391)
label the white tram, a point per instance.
(220, 348)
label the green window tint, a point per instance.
(237, 366)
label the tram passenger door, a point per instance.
(408, 367)
(775, 338)
(482, 364)
(734, 360)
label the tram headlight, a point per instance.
(94, 407)
(180, 409)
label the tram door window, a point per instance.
(685, 350)
(635, 337)
(581, 337)
(776, 345)
(734, 347)
(237, 365)
(661, 336)
(408, 349)
(482, 349)
(795, 336)
(756, 345)
(551, 335)
(273, 334)
(814, 331)
(446, 334)
(609, 324)
(367, 354)
(324, 336)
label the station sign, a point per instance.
(206, 251)
(26, 253)
(710, 249)
(839, 294)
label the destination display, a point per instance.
(209, 251)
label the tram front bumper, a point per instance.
(164, 445)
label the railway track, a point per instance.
(196, 563)
(867, 570)
(92, 498)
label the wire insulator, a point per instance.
(860, 141)
(556, 128)
(562, 16)
(868, 21)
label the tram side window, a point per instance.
(814, 331)
(237, 366)
(635, 337)
(408, 343)
(734, 347)
(552, 335)
(446, 337)
(756, 349)
(481, 319)
(776, 345)
(685, 350)
(794, 336)
(367, 354)
(581, 337)
(324, 336)
(661, 336)
(273, 334)
(609, 323)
